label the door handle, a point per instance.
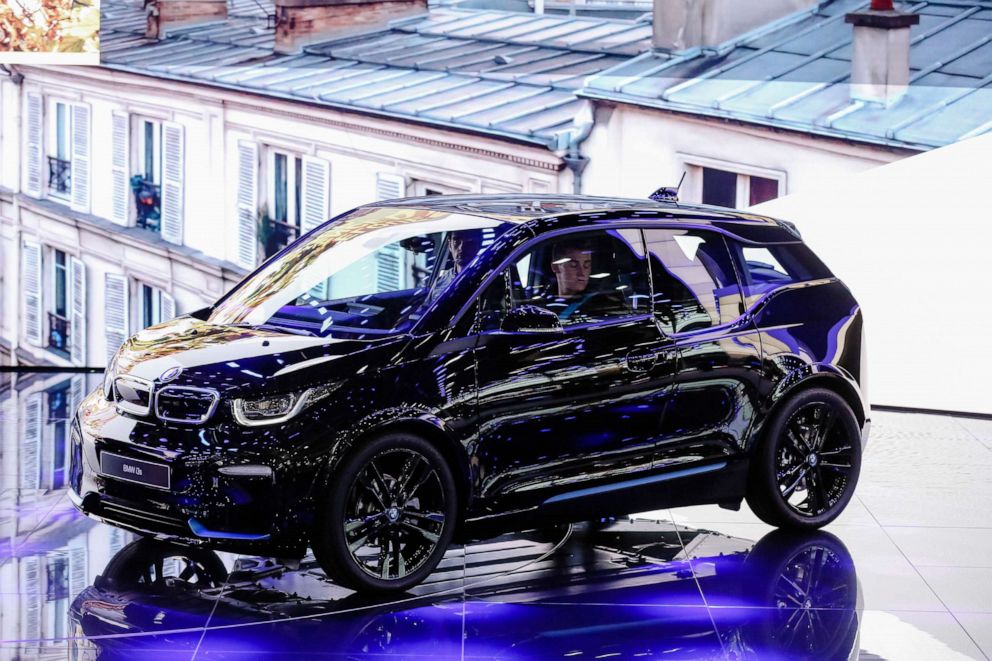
(640, 362)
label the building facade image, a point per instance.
(141, 189)
(211, 137)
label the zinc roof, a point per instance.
(507, 74)
(795, 74)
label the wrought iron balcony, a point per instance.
(276, 235)
(147, 202)
(59, 176)
(59, 329)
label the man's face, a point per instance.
(572, 270)
(464, 246)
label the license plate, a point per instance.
(134, 470)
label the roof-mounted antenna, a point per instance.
(667, 193)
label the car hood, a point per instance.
(231, 358)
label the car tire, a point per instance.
(803, 474)
(388, 515)
(140, 564)
(806, 586)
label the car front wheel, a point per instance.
(804, 473)
(389, 515)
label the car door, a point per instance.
(580, 406)
(698, 301)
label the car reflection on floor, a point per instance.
(525, 595)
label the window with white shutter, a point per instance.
(31, 597)
(119, 170)
(168, 307)
(81, 157)
(30, 474)
(78, 574)
(58, 146)
(31, 287)
(173, 175)
(284, 200)
(77, 391)
(118, 538)
(77, 311)
(316, 192)
(389, 186)
(247, 204)
(59, 304)
(115, 319)
(155, 306)
(147, 180)
(34, 138)
(389, 260)
(55, 438)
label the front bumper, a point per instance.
(256, 512)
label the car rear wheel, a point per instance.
(804, 473)
(389, 515)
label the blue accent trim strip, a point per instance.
(201, 530)
(664, 477)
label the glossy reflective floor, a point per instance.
(905, 573)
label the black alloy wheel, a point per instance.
(389, 516)
(805, 472)
(148, 564)
(807, 592)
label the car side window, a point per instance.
(695, 286)
(766, 268)
(584, 277)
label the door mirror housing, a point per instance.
(530, 319)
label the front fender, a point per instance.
(409, 418)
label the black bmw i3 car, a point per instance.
(430, 369)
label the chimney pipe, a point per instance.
(880, 55)
(164, 15)
(303, 22)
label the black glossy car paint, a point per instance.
(599, 419)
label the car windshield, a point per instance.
(372, 271)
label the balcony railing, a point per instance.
(147, 201)
(59, 176)
(58, 332)
(276, 235)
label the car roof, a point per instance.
(524, 208)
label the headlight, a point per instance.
(278, 408)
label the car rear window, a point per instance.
(767, 267)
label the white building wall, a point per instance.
(633, 151)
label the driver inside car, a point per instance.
(572, 266)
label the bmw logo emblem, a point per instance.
(170, 374)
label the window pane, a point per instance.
(767, 267)
(149, 155)
(62, 132)
(298, 192)
(695, 286)
(279, 210)
(762, 190)
(587, 277)
(148, 317)
(719, 188)
(60, 284)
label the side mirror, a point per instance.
(531, 319)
